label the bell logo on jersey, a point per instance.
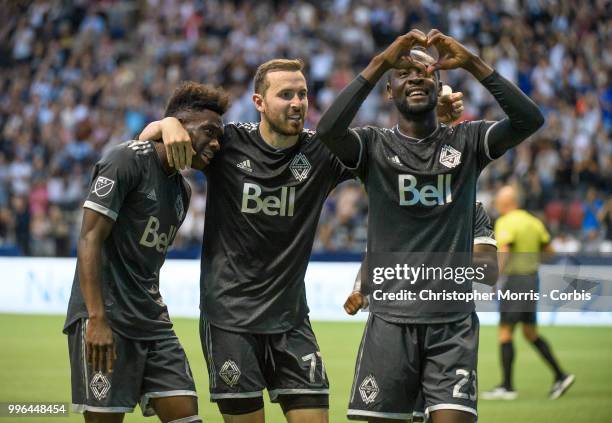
(253, 202)
(150, 237)
(427, 195)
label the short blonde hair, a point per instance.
(261, 82)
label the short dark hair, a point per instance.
(196, 97)
(260, 81)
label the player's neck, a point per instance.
(163, 159)
(275, 139)
(418, 126)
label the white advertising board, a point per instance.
(42, 286)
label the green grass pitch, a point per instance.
(34, 367)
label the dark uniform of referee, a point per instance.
(521, 238)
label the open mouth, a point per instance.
(295, 118)
(416, 93)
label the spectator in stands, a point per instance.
(592, 207)
(605, 219)
(22, 224)
(79, 77)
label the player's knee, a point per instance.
(190, 419)
(238, 406)
(302, 402)
(530, 333)
(505, 333)
(505, 337)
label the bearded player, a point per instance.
(266, 188)
(421, 182)
(122, 347)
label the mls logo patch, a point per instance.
(103, 186)
(178, 205)
(230, 373)
(100, 386)
(450, 157)
(300, 167)
(368, 389)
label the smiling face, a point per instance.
(414, 91)
(283, 105)
(205, 129)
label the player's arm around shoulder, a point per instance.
(175, 137)
(450, 105)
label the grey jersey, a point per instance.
(262, 211)
(130, 186)
(421, 195)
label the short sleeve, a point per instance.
(114, 176)
(503, 232)
(544, 235)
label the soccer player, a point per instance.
(485, 254)
(521, 237)
(421, 182)
(122, 347)
(266, 188)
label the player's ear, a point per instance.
(258, 101)
(389, 95)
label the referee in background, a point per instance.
(521, 238)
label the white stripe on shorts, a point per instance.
(81, 408)
(459, 407)
(236, 395)
(395, 416)
(274, 393)
(84, 356)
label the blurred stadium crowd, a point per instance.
(79, 76)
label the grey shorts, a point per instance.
(242, 365)
(397, 362)
(142, 370)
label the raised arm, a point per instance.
(99, 337)
(333, 128)
(523, 115)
